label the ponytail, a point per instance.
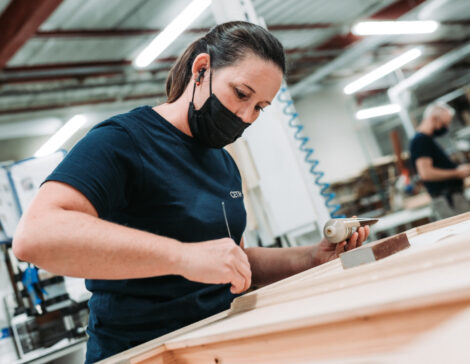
(180, 73)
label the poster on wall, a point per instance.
(27, 176)
(9, 211)
(19, 183)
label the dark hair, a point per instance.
(226, 44)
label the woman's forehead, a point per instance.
(256, 73)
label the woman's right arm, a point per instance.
(62, 233)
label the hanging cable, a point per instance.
(289, 111)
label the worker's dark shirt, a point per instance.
(140, 171)
(423, 145)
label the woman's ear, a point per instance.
(202, 61)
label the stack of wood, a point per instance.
(411, 307)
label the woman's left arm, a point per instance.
(269, 265)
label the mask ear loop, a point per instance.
(210, 82)
(194, 90)
(196, 83)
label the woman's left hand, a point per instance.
(326, 251)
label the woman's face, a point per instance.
(245, 88)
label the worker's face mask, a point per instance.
(441, 131)
(213, 125)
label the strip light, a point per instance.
(378, 111)
(62, 135)
(383, 70)
(395, 27)
(170, 33)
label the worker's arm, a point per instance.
(428, 173)
(269, 265)
(62, 233)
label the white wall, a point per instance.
(343, 145)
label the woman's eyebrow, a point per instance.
(252, 90)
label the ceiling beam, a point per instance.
(19, 22)
(129, 32)
(74, 65)
(75, 70)
(48, 78)
(320, 55)
(80, 103)
(103, 33)
(79, 87)
(398, 7)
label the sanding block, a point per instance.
(372, 252)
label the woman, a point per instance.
(125, 203)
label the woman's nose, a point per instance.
(246, 115)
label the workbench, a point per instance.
(412, 307)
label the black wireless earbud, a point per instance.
(201, 74)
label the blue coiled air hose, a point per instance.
(289, 111)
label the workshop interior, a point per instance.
(333, 152)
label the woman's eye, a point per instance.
(259, 108)
(240, 94)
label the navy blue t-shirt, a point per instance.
(423, 145)
(138, 170)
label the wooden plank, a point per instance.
(154, 347)
(361, 336)
(327, 295)
(334, 266)
(309, 282)
(438, 225)
(450, 283)
(399, 265)
(19, 22)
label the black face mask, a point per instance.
(213, 125)
(441, 131)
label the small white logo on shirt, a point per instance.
(235, 194)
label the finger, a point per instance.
(367, 231)
(242, 258)
(245, 272)
(362, 235)
(238, 283)
(352, 241)
(242, 270)
(361, 238)
(241, 254)
(340, 248)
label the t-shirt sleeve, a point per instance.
(102, 166)
(422, 147)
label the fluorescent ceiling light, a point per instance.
(395, 27)
(383, 70)
(171, 32)
(24, 129)
(62, 135)
(378, 111)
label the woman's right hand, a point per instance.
(216, 262)
(463, 170)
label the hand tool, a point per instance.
(226, 220)
(338, 230)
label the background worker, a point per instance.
(442, 178)
(135, 207)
